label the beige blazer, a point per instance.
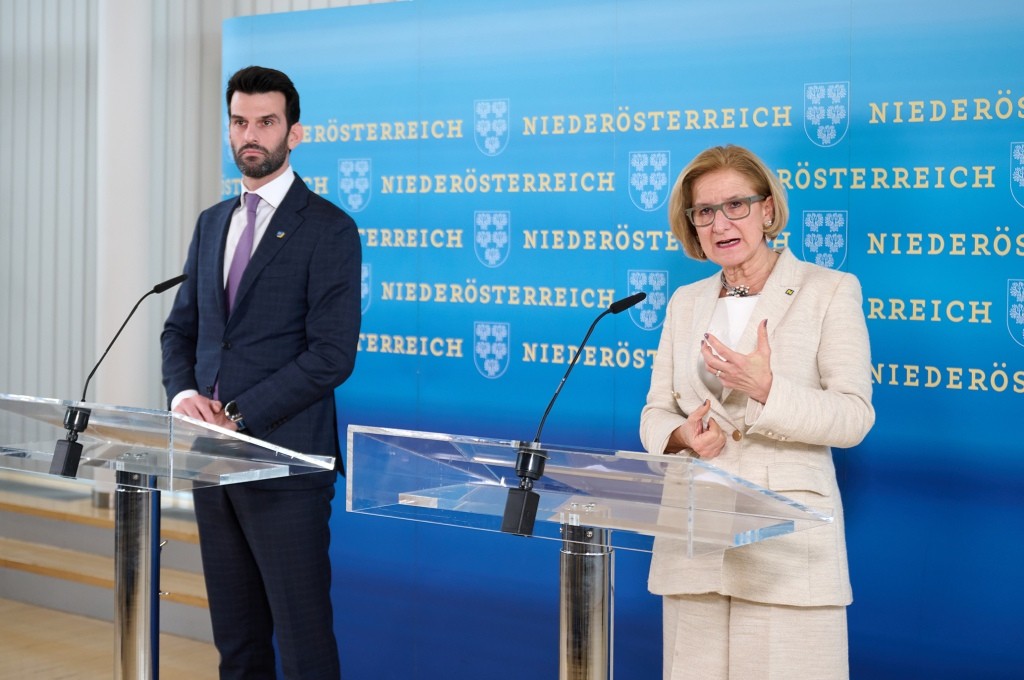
(820, 397)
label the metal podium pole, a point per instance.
(136, 577)
(586, 599)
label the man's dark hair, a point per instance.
(259, 80)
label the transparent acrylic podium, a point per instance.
(147, 452)
(592, 501)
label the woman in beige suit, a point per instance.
(761, 368)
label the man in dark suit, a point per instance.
(259, 345)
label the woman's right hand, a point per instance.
(706, 440)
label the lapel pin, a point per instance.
(279, 234)
(789, 291)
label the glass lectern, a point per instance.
(148, 452)
(590, 500)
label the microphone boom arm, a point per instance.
(116, 336)
(67, 453)
(572, 363)
(523, 502)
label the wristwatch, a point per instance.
(234, 415)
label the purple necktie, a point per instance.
(244, 249)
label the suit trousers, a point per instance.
(268, 576)
(716, 637)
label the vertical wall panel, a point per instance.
(60, 182)
(37, 230)
(15, 198)
(166, 169)
(79, 102)
(8, 318)
(45, 209)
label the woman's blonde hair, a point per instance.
(729, 157)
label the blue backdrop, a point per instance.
(508, 163)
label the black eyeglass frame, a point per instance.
(749, 200)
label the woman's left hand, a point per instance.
(748, 373)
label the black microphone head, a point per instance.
(169, 283)
(625, 303)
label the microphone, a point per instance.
(68, 452)
(622, 305)
(166, 285)
(521, 506)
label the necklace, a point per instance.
(734, 291)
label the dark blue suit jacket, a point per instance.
(293, 335)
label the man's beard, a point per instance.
(271, 162)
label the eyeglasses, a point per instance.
(734, 209)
